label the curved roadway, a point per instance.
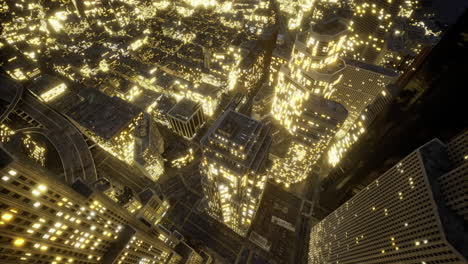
(67, 139)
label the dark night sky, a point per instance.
(449, 10)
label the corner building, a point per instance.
(43, 221)
(235, 150)
(413, 213)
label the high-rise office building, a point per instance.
(235, 150)
(149, 144)
(44, 221)
(294, 11)
(413, 213)
(186, 118)
(365, 90)
(153, 209)
(301, 103)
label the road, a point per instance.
(72, 148)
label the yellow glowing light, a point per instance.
(19, 242)
(7, 217)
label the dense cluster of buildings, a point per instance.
(94, 92)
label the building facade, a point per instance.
(315, 131)
(389, 33)
(413, 213)
(302, 99)
(235, 150)
(44, 221)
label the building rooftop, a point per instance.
(164, 103)
(145, 99)
(335, 110)
(185, 251)
(371, 67)
(101, 114)
(208, 89)
(436, 163)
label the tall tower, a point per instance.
(235, 150)
(301, 102)
(413, 213)
(44, 221)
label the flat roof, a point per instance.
(207, 89)
(43, 83)
(371, 67)
(103, 115)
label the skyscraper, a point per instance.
(44, 221)
(235, 150)
(301, 103)
(186, 118)
(313, 70)
(413, 213)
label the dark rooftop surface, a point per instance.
(436, 164)
(103, 115)
(5, 158)
(184, 109)
(184, 251)
(43, 83)
(278, 204)
(239, 132)
(334, 109)
(145, 99)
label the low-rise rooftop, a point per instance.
(103, 115)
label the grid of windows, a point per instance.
(393, 220)
(232, 169)
(43, 221)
